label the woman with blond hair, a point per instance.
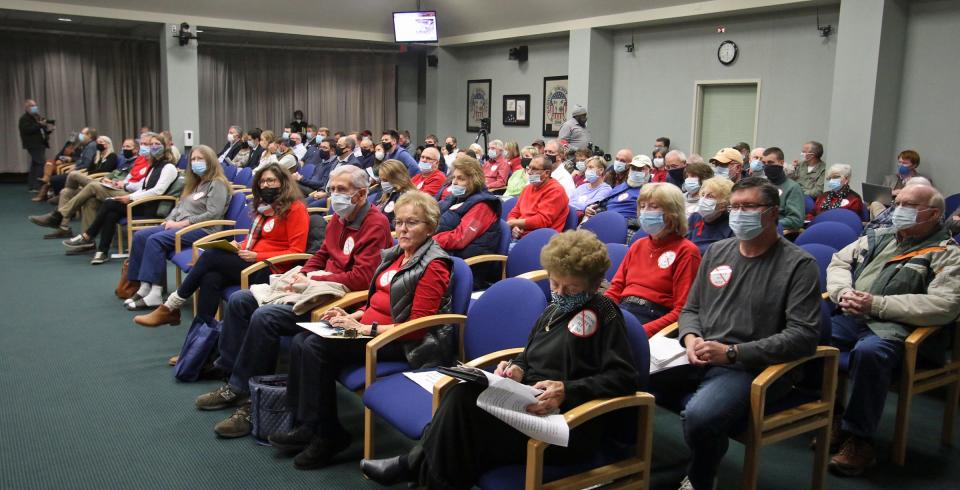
(711, 221)
(577, 351)
(518, 179)
(205, 195)
(470, 214)
(394, 182)
(656, 275)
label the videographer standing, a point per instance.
(34, 135)
(574, 131)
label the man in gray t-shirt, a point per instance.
(755, 302)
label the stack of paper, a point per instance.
(507, 400)
(666, 353)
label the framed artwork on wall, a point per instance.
(554, 104)
(516, 110)
(478, 103)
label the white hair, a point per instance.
(676, 153)
(695, 158)
(918, 180)
(358, 177)
(497, 144)
(841, 168)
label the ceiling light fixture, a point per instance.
(198, 31)
(64, 19)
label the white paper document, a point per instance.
(666, 353)
(325, 330)
(426, 379)
(507, 400)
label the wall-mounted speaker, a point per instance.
(432, 60)
(518, 53)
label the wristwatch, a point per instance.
(732, 354)
(373, 331)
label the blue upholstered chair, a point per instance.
(840, 215)
(409, 408)
(609, 226)
(832, 233)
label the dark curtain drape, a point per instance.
(261, 87)
(111, 84)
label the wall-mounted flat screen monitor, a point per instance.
(415, 27)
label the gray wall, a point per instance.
(408, 98)
(446, 87)
(653, 87)
(929, 115)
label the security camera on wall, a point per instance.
(183, 34)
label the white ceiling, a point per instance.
(459, 21)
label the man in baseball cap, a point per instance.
(574, 131)
(728, 163)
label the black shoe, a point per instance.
(49, 220)
(60, 233)
(294, 441)
(321, 452)
(389, 471)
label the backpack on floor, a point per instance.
(200, 344)
(268, 407)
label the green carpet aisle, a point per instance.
(87, 400)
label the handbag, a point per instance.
(124, 284)
(200, 343)
(268, 407)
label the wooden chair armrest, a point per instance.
(381, 340)
(825, 296)
(178, 236)
(764, 380)
(918, 336)
(668, 330)
(66, 168)
(346, 301)
(98, 175)
(535, 276)
(495, 189)
(440, 387)
(317, 210)
(279, 259)
(482, 259)
(140, 202)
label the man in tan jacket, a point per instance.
(887, 283)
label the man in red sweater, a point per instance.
(250, 337)
(542, 204)
(429, 180)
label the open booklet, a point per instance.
(666, 353)
(224, 245)
(325, 330)
(508, 400)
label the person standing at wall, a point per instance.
(34, 137)
(574, 131)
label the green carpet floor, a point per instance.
(87, 400)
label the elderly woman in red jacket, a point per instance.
(838, 193)
(280, 226)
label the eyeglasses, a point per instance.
(269, 180)
(748, 206)
(409, 223)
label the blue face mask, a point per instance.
(652, 222)
(569, 302)
(144, 150)
(458, 190)
(619, 166)
(903, 218)
(285, 135)
(81, 137)
(425, 167)
(309, 135)
(252, 143)
(691, 185)
(591, 176)
(342, 204)
(534, 179)
(903, 170)
(156, 151)
(199, 167)
(834, 184)
(746, 225)
(386, 186)
(636, 178)
(756, 166)
(34, 110)
(581, 165)
(722, 171)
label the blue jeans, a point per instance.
(873, 362)
(149, 252)
(250, 337)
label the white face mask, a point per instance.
(231, 138)
(903, 217)
(706, 207)
(658, 162)
(379, 155)
(492, 154)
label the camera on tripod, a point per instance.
(597, 151)
(485, 125)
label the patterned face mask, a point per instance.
(569, 302)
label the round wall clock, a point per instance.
(727, 52)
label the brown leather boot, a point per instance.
(855, 456)
(161, 316)
(126, 291)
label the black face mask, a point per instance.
(676, 174)
(366, 153)
(386, 146)
(324, 154)
(429, 145)
(269, 194)
(341, 150)
(775, 173)
(552, 158)
(449, 148)
(128, 153)
(101, 147)
(525, 162)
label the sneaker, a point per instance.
(222, 397)
(321, 452)
(236, 425)
(855, 456)
(686, 485)
(78, 243)
(294, 441)
(99, 258)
